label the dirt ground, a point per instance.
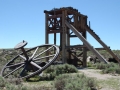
(106, 81)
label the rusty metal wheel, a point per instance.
(30, 62)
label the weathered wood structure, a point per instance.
(69, 23)
(55, 23)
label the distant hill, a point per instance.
(8, 54)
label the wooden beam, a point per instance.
(75, 46)
(102, 43)
(86, 42)
(54, 31)
(72, 36)
(55, 16)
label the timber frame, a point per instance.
(57, 20)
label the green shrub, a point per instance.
(13, 87)
(118, 70)
(42, 88)
(50, 69)
(100, 65)
(108, 68)
(61, 69)
(52, 75)
(11, 84)
(2, 82)
(15, 81)
(10, 87)
(90, 65)
(70, 68)
(64, 68)
(74, 82)
(55, 70)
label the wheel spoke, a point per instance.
(23, 70)
(14, 65)
(14, 70)
(43, 52)
(36, 65)
(34, 52)
(35, 59)
(22, 57)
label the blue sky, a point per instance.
(25, 20)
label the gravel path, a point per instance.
(96, 74)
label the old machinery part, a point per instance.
(30, 62)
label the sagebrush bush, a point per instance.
(118, 70)
(16, 81)
(91, 65)
(64, 68)
(41, 88)
(50, 69)
(108, 68)
(100, 65)
(2, 82)
(74, 82)
(13, 87)
(55, 70)
(11, 84)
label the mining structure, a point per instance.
(69, 23)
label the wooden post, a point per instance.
(60, 35)
(46, 29)
(63, 37)
(54, 32)
(46, 33)
(68, 43)
(55, 38)
(84, 52)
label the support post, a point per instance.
(55, 38)
(46, 29)
(63, 37)
(54, 32)
(84, 52)
(84, 49)
(68, 43)
(46, 33)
